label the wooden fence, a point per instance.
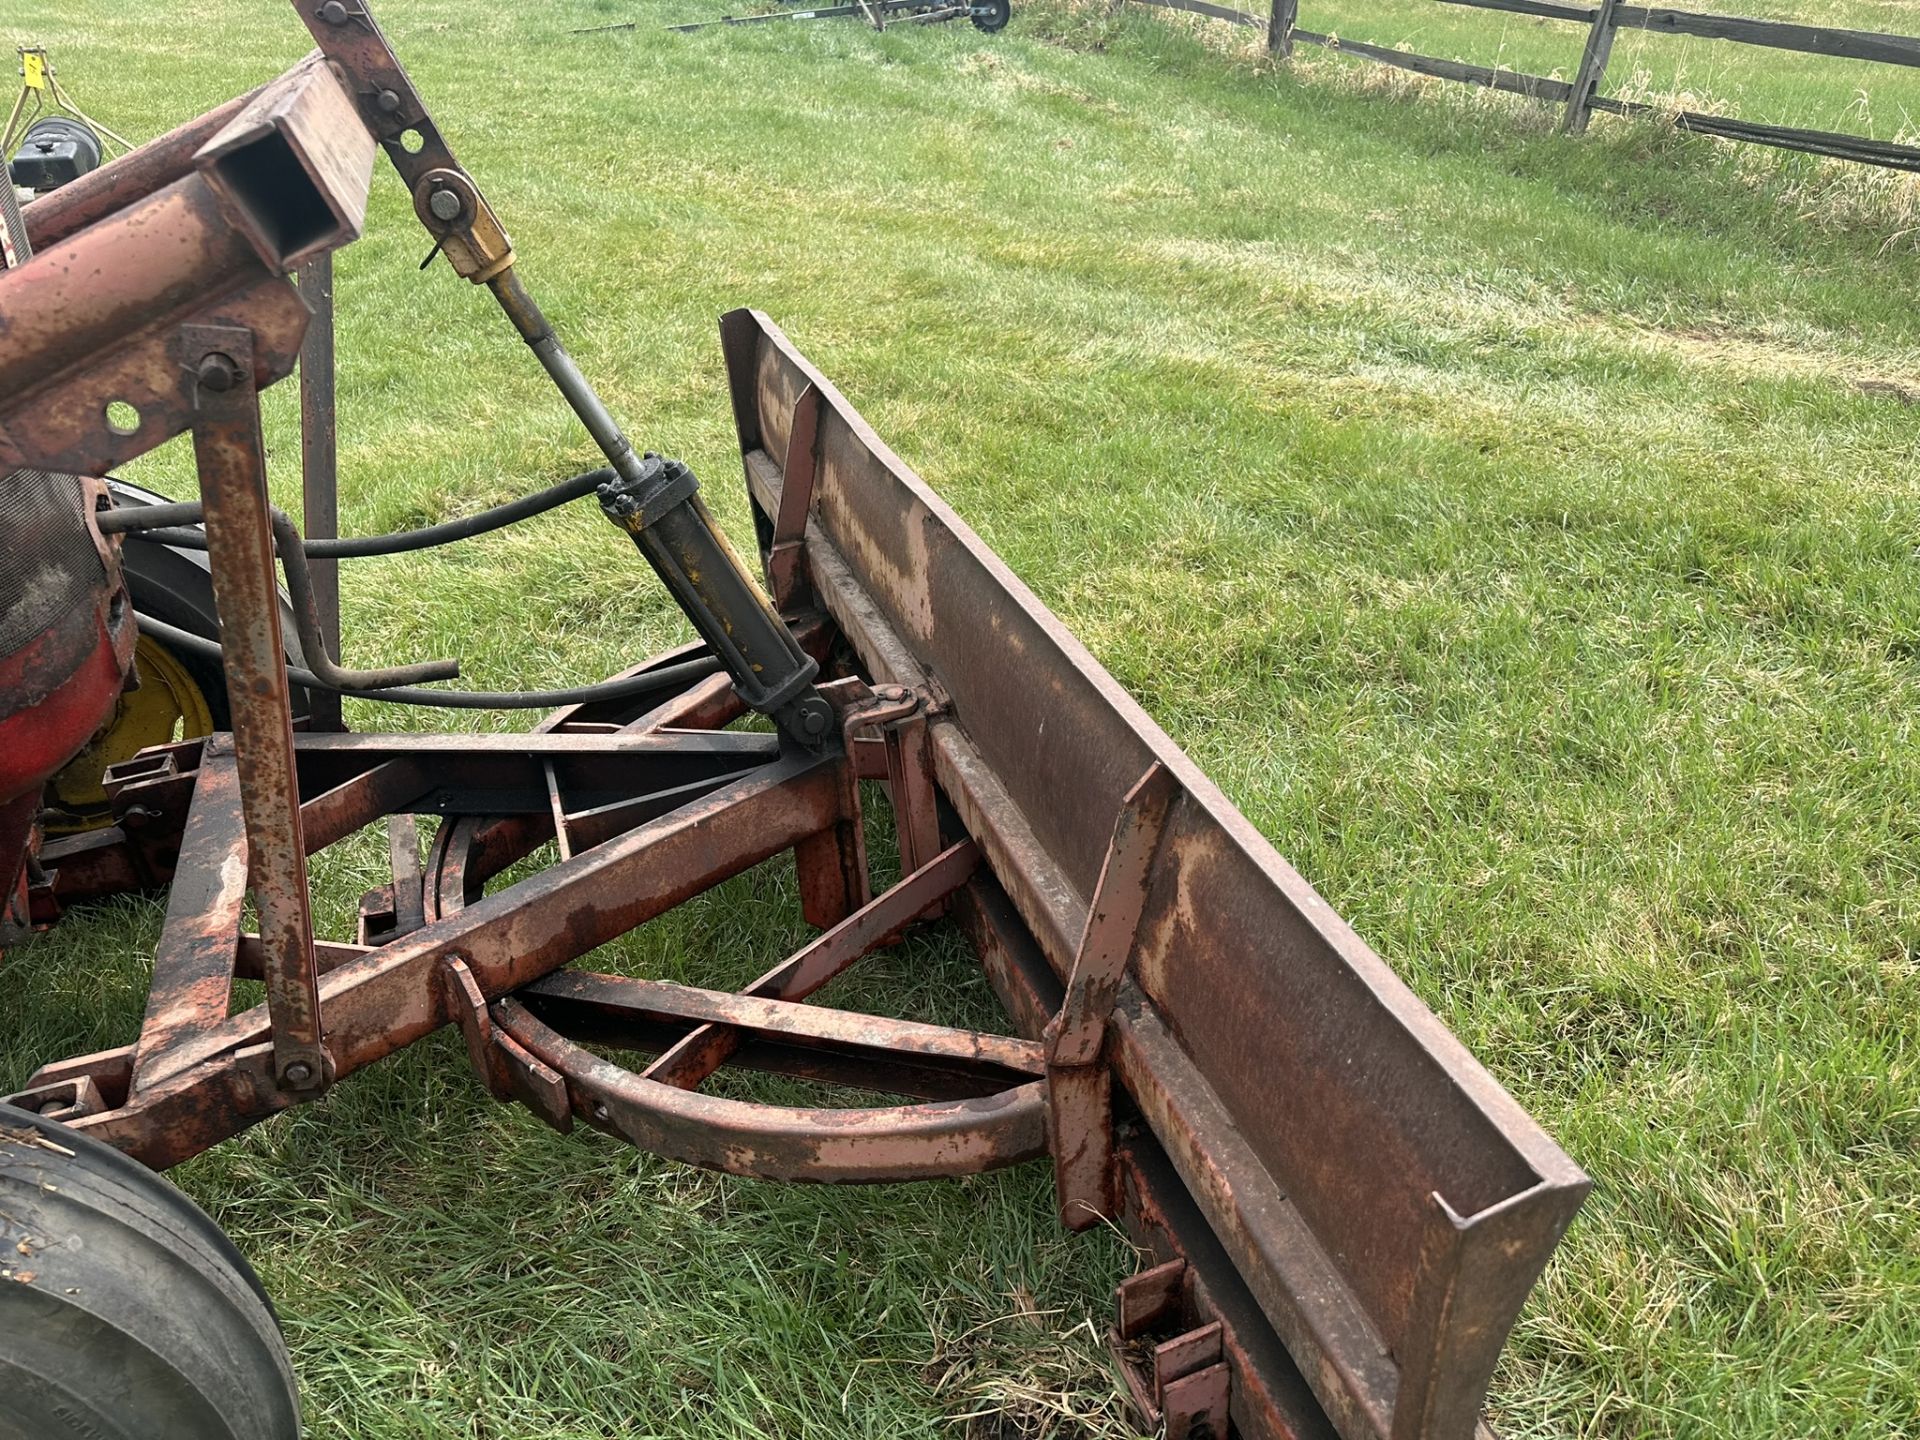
(1581, 96)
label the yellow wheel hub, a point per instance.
(169, 705)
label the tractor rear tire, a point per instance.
(125, 1313)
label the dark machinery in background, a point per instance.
(989, 16)
(54, 150)
(181, 692)
(1342, 1211)
(48, 139)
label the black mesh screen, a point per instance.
(48, 564)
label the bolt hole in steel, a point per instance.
(412, 141)
(122, 418)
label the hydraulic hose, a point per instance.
(634, 687)
(144, 520)
(306, 616)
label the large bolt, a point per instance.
(813, 717)
(217, 372)
(334, 13)
(298, 1073)
(388, 101)
(445, 205)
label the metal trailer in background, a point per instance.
(988, 16)
(1344, 1212)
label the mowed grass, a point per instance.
(1523, 532)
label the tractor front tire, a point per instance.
(125, 1313)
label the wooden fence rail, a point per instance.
(1581, 96)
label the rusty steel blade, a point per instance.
(1382, 1198)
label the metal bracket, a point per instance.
(230, 457)
(1079, 1085)
(467, 1004)
(786, 549)
(472, 237)
(390, 911)
(63, 1100)
(904, 763)
(1181, 1386)
(500, 1063)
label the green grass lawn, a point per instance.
(1523, 531)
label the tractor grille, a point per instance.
(51, 565)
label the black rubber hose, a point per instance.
(144, 520)
(306, 617)
(634, 687)
(306, 620)
(158, 524)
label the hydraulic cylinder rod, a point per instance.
(678, 537)
(656, 501)
(659, 506)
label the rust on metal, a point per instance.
(403, 857)
(63, 1100)
(70, 301)
(319, 468)
(784, 558)
(877, 923)
(1180, 1386)
(852, 1146)
(832, 866)
(304, 124)
(907, 772)
(387, 998)
(986, 1058)
(193, 963)
(1340, 1211)
(1243, 985)
(52, 217)
(1113, 921)
(206, 245)
(231, 458)
(394, 115)
(467, 1004)
(1079, 1084)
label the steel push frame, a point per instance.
(1344, 1210)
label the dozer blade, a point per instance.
(1330, 1177)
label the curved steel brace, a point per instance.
(774, 1142)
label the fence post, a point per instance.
(1280, 27)
(1593, 68)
